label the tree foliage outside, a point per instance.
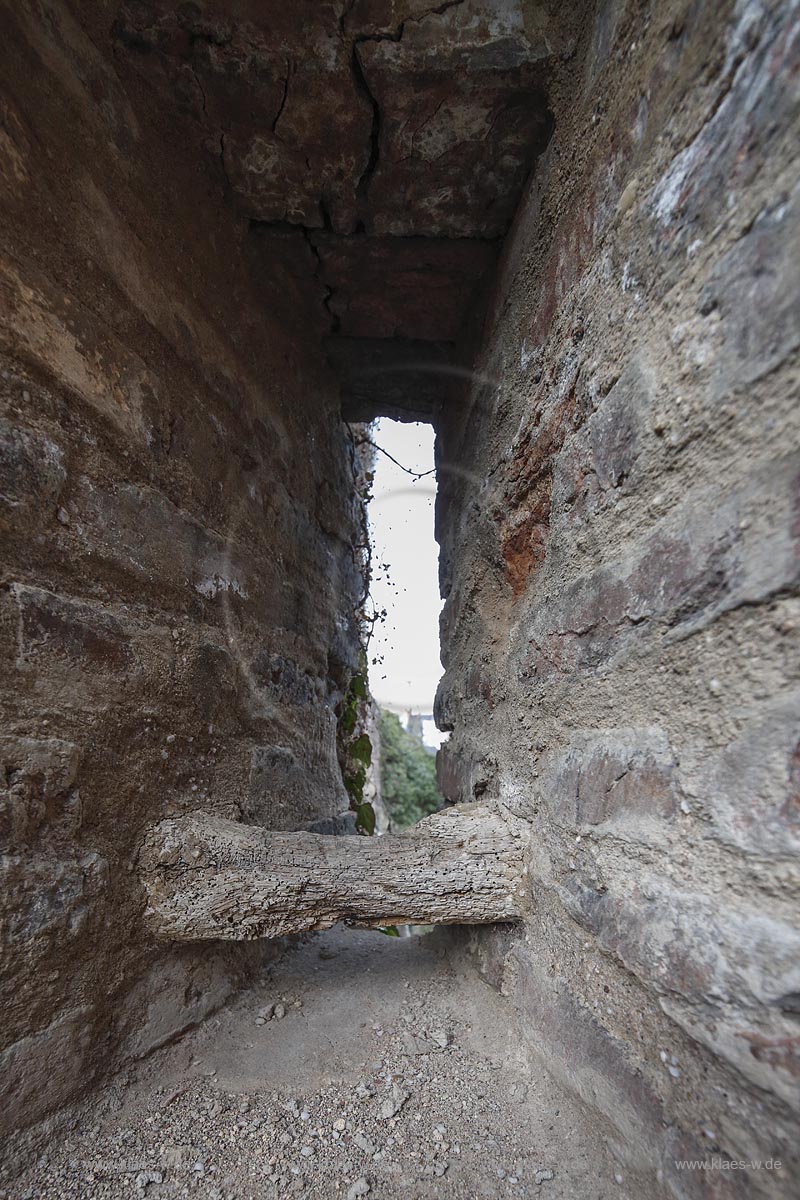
(408, 775)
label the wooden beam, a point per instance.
(209, 878)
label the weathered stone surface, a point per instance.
(36, 778)
(138, 529)
(568, 1039)
(453, 776)
(758, 103)
(611, 779)
(32, 470)
(762, 1046)
(456, 147)
(407, 288)
(85, 654)
(749, 790)
(714, 552)
(176, 994)
(291, 787)
(600, 459)
(177, 490)
(46, 1068)
(78, 632)
(682, 942)
(49, 899)
(252, 195)
(347, 134)
(757, 293)
(620, 560)
(406, 381)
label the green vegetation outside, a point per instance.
(408, 775)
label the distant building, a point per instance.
(419, 725)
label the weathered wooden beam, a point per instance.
(210, 878)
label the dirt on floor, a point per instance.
(360, 1065)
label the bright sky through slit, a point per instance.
(401, 527)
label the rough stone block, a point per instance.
(761, 1044)
(461, 139)
(293, 785)
(749, 790)
(602, 457)
(612, 778)
(684, 943)
(175, 995)
(46, 1069)
(445, 704)
(284, 679)
(83, 633)
(32, 472)
(454, 775)
(36, 787)
(48, 898)
(84, 653)
(711, 554)
(567, 258)
(403, 288)
(140, 530)
(737, 137)
(756, 287)
(583, 1055)
(616, 427)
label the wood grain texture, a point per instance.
(208, 878)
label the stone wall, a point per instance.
(619, 511)
(178, 521)
(619, 519)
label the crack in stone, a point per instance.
(437, 12)
(362, 85)
(200, 87)
(226, 177)
(328, 292)
(325, 213)
(360, 80)
(307, 234)
(399, 29)
(289, 72)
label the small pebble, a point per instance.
(144, 1178)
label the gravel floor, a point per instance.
(360, 1066)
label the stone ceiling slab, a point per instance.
(394, 137)
(402, 287)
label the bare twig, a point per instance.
(416, 474)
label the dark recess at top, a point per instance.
(379, 150)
